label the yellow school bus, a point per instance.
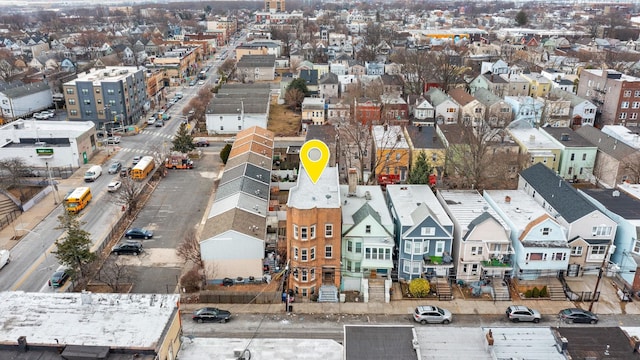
(143, 168)
(78, 199)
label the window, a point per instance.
(328, 252)
(312, 230)
(97, 90)
(584, 157)
(627, 93)
(368, 229)
(408, 245)
(349, 246)
(73, 112)
(411, 267)
(635, 105)
(636, 93)
(478, 110)
(622, 116)
(85, 91)
(598, 249)
(425, 246)
(546, 231)
(451, 110)
(313, 275)
(559, 256)
(295, 253)
(417, 247)
(305, 276)
(328, 230)
(72, 101)
(110, 91)
(358, 248)
(636, 247)
(576, 251)
(398, 156)
(427, 231)
(573, 157)
(624, 105)
(634, 116)
(535, 256)
(70, 91)
(87, 101)
(434, 157)
(476, 250)
(304, 235)
(313, 253)
(295, 232)
(304, 253)
(601, 230)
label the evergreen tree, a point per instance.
(224, 153)
(420, 170)
(521, 18)
(74, 249)
(183, 142)
(299, 84)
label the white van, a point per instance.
(4, 258)
(93, 173)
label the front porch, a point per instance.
(437, 266)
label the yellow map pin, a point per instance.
(314, 156)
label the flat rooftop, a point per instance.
(406, 198)
(280, 349)
(324, 194)
(533, 139)
(466, 205)
(521, 208)
(114, 320)
(110, 73)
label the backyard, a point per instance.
(283, 121)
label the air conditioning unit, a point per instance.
(295, 258)
(474, 273)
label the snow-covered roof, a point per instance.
(282, 349)
(324, 194)
(114, 320)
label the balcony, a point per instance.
(437, 261)
(496, 263)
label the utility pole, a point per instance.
(600, 273)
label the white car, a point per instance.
(114, 186)
(151, 121)
(201, 82)
(40, 116)
(113, 140)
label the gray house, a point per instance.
(237, 107)
(423, 232)
(256, 68)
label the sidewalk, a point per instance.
(29, 219)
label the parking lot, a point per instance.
(175, 207)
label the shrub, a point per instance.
(528, 294)
(535, 293)
(191, 280)
(419, 288)
(544, 292)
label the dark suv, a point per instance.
(127, 247)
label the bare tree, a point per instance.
(294, 98)
(416, 69)
(128, 195)
(114, 274)
(12, 172)
(189, 249)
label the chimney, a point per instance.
(352, 179)
(386, 127)
(507, 199)
(532, 138)
(22, 344)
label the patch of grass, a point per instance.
(283, 121)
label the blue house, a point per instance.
(423, 232)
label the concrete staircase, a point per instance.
(556, 293)
(328, 293)
(500, 291)
(8, 210)
(443, 289)
(376, 290)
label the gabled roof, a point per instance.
(461, 96)
(364, 212)
(606, 143)
(328, 78)
(486, 97)
(563, 197)
(437, 96)
(309, 76)
(485, 216)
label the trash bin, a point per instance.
(290, 308)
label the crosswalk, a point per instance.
(139, 151)
(157, 134)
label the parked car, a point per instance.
(48, 113)
(151, 121)
(136, 160)
(202, 142)
(59, 278)
(159, 123)
(41, 116)
(518, 313)
(428, 314)
(125, 172)
(5, 258)
(113, 140)
(192, 83)
(201, 82)
(138, 233)
(115, 167)
(576, 315)
(128, 248)
(230, 140)
(211, 314)
(114, 186)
